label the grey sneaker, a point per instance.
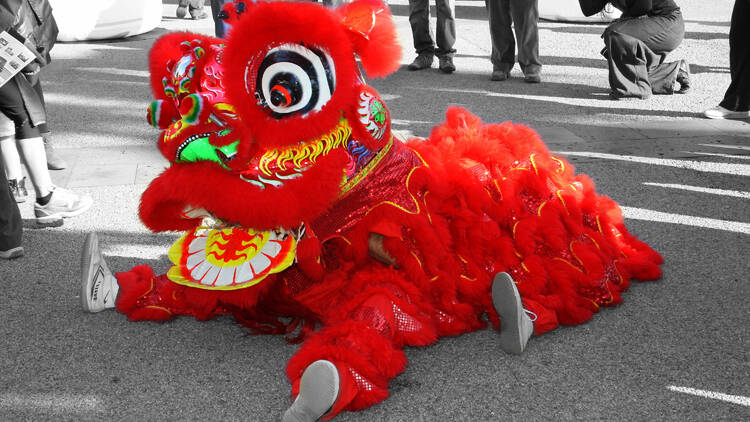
(18, 187)
(12, 253)
(62, 204)
(54, 161)
(423, 61)
(532, 77)
(445, 64)
(499, 75)
(515, 326)
(318, 390)
(99, 287)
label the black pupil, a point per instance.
(285, 90)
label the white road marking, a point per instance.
(742, 147)
(713, 154)
(723, 192)
(409, 122)
(139, 251)
(115, 71)
(741, 400)
(688, 220)
(704, 166)
(51, 402)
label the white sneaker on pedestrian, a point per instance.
(515, 326)
(318, 390)
(12, 253)
(99, 287)
(62, 204)
(720, 112)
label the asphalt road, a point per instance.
(682, 180)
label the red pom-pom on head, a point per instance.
(370, 27)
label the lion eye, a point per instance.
(294, 79)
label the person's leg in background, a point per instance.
(196, 9)
(736, 102)
(220, 28)
(636, 49)
(11, 229)
(503, 55)
(54, 161)
(446, 34)
(11, 160)
(419, 18)
(525, 19)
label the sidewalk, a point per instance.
(98, 93)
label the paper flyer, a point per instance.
(14, 56)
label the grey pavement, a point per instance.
(688, 330)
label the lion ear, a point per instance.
(370, 27)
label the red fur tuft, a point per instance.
(373, 33)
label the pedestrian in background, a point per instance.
(736, 102)
(419, 18)
(195, 7)
(523, 15)
(11, 228)
(22, 101)
(637, 44)
(220, 27)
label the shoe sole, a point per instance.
(54, 220)
(16, 252)
(727, 117)
(507, 304)
(90, 248)
(317, 378)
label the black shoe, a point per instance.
(445, 64)
(423, 61)
(683, 77)
(499, 75)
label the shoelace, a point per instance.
(532, 315)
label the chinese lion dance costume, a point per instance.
(303, 213)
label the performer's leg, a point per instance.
(419, 19)
(363, 343)
(137, 293)
(515, 326)
(10, 221)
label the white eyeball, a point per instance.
(293, 79)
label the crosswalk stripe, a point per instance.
(741, 400)
(688, 220)
(742, 147)
(704, 166)
(713, 191)
(713, 154)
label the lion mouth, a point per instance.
(218, 256)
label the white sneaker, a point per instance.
(720, 112)
(515, 326)
(62, 204)
(99, 287)
(318, 390)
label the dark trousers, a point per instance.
(220, 28)
(636, 49)
(10, 217)
(737, 97)
(24, 105)
(523, 15)
(419, 18)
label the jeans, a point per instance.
(524, 16)
(419, 18)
